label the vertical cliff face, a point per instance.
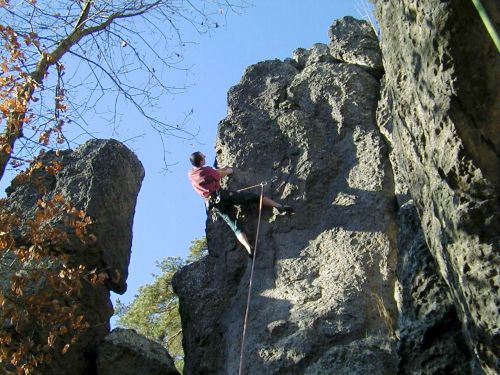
(441, 94)
(322, 299)
(390, 264)
(102, 178)
(430, 335)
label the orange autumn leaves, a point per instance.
(13, 77)
(17, 88)
(39, 307)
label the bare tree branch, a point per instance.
(114, 40)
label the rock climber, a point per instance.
(206, 182)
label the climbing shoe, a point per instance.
(285, 210)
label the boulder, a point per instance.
(101, 178)
(125, 352)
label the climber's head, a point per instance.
(197, 159)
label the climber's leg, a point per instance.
(242, 237)
(245, 197)
(280, 207)
(233, 224)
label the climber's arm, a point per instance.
(225, 171)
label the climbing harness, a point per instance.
(251, 274)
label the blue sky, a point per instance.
(169, 215)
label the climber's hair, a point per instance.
(196, 158)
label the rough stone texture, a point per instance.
(385, 123)
(442, 92)
(103, 178)
(430, 334)
(125, 352)
(325, 278)
(323, 286)
(354, 42)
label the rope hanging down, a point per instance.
(251, 276)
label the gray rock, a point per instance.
(102, 178)
(356, 42)
(324, 277)
(385, 123)
(125, 352)
(441, 90)
(431, 340)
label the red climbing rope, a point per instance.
(240, 371)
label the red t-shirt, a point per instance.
(205, 180)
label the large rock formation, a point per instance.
(348, 284)
(102, 178)
(322, 299)
(125, 352)
(441, 106)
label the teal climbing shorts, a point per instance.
(223, 201)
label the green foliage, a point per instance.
(197, 250)
(154, 312)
